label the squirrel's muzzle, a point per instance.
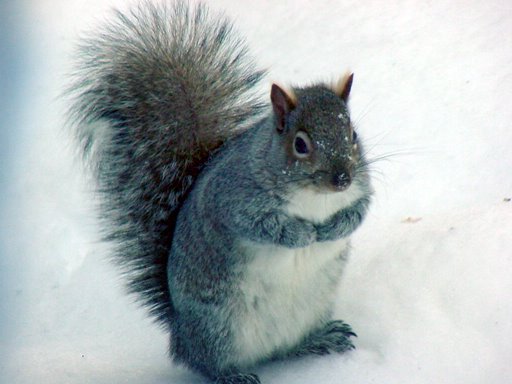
(341, 180)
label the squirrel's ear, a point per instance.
(282, 104)
(342, 89)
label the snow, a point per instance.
(429, 284)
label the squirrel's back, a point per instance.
(159, 78)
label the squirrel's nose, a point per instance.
(341, 180)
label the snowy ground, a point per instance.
(429, 285)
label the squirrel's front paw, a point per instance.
(297, 233)
(343, 223)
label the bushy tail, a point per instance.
(170, 84)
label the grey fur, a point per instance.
(239, 378)
(343, 222)
(333, 337)
(239, 197)
(195, 185)
(170, 85)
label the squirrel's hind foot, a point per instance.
(238, 378)
(334, 337)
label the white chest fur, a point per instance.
(317, 207)
(287, 292)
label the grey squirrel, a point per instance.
(231, 218)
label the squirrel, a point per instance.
(230, 216)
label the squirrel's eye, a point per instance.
(354, 136)
(301, 145)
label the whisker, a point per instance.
(362, 114)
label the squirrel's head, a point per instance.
(314, 131)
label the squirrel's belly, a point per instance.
(285, 294)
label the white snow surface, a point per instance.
(429, 283)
